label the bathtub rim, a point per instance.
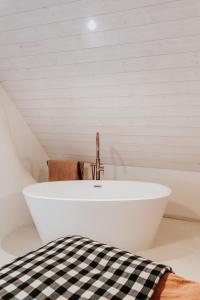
(166, 192)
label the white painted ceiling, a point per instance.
(127, 68)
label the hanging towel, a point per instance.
(65, 170)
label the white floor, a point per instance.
(177, 244)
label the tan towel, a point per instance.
(65, 170)
(174, 287)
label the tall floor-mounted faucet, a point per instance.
(97, 167)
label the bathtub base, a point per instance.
(130, 226)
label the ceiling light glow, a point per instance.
(91, 25)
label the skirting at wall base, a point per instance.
(181, 218)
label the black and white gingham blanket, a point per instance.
(79, 268)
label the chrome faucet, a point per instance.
(97, 167)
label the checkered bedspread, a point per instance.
(79, 268)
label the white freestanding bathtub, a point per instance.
(124, 214)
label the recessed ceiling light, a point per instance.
(91, 25)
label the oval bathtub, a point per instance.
(124, 214)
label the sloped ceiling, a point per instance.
(127, 68)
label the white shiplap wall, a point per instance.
(136, 79)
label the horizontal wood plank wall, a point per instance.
(136, 78)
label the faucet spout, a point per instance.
(97, 146)
(97, 157)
